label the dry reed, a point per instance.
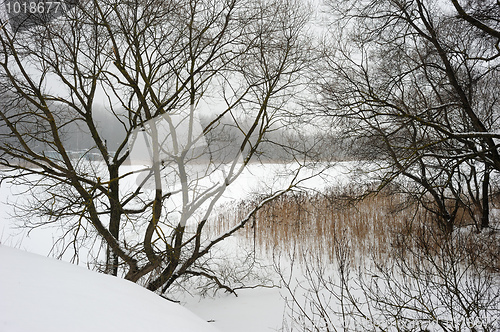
(315, 222)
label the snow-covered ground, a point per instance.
(41, 294)
(46, 295)
(254, 310)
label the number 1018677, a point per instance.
(34, 7)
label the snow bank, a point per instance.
(42, 294)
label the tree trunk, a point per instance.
(114, 222)
(485, 217)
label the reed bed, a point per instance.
(313, 223)
(317, 222)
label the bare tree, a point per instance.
(153, 66)
(417, 83)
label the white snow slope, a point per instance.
(39, 294)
